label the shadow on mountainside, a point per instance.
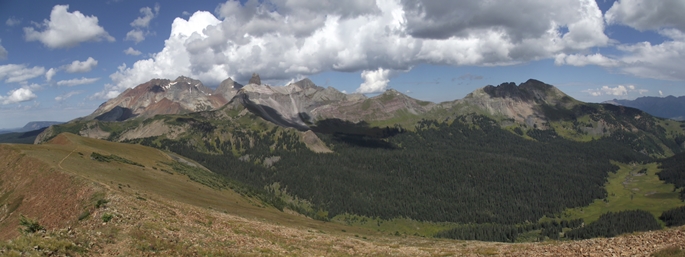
(117, 113)
(357, 134)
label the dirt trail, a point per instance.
(65, 157)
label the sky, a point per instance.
(60, 60)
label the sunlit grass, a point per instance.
(629, 190)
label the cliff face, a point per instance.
(289, 106)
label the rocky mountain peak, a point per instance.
(159, 96)
(391, 91)
(228, 89)
(229, 83)
(533, 91)
(306, 83)
(390, 94)
(255, 79)
(508, 90)
(523, 103)
(185, 79)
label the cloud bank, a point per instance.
(284, 39)
(657, 61)
(619, 90)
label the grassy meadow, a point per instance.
(633, 186)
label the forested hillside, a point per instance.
(673, 171)
(489, 166)
(466, 171)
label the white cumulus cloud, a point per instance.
(144, 21)
(284, 39)
(67, 29)
(65, 96)
(131, 51)
(12, 21)
(50, 73)
(135, 35)
(3, 52)
(13, 73)
(140, 24)
(18, 95)
(620, 90)
(652, 60)
(583, 60)
(76, 82)
(647, 15)
(374, 81)
(81, 66)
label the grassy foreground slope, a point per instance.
(137, 205)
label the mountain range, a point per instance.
(305, 106)
(669, 107)
(34, 125)
(509, 163)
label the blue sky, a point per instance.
(61, 59)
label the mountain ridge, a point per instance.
(669, 107)
(182, 95)
(302, 105)
(31, 126)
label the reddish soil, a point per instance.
(31, 188)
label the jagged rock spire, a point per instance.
(255, 79)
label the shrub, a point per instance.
(85, 214)
(107, 217)
(30, 226)
(101, 203)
